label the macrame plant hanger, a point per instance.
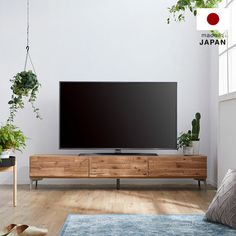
(28, 56)
(25, 83)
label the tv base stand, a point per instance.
(117, 154)
(118, 167)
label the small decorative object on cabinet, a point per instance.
(185, 141)
(6, 165)
(188, 150)
(190, 141)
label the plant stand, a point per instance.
(7, 165)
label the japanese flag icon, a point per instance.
(212, 19)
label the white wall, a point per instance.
(117, 40)
(214, 114)
(227, 137)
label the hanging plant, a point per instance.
(25, 85)
(177, 11)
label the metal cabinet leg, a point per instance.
(118, 184)
(199, 184)
(36, 184)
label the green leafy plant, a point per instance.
(177, 11)
(196, 127)
(25, 85)
(184, 140)
(12, 138)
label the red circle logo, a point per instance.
(213, 19)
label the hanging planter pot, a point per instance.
(24, 85)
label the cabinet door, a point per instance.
(58, 166)
(178, 167)
(118, 167)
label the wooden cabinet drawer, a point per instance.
(178, 167)
(59, 166)
(115, 167)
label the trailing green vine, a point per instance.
(177, 11)
(25, 85)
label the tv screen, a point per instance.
(118, 115)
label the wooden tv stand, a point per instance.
(117, 167)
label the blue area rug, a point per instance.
(142, 225)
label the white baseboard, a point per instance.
(212, 182)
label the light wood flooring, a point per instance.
(49, 205)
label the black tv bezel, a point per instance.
(117, 149)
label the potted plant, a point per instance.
(195, 133)
(185, 141)
(24, 85)
(11, 139)
(179, 9)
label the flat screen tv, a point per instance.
(118, 115)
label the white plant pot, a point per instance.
(188, 150)
(5, 154)
(196, 146)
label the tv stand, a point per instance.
(118, 167)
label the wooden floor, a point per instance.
(49, 205)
